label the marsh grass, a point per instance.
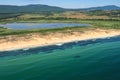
(4, 32)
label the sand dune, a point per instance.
(37, 39)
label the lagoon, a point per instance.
(22, 26)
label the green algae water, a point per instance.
(84, 60)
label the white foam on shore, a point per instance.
(26, 49)
(59, 44)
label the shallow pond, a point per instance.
(42, 25)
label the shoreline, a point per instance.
(57, 44)
(11, 43)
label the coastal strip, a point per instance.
(13, 42)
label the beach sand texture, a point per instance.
(36, 39)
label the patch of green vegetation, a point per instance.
(5, 32)
(9, 15)
(110, 13)
(103, 24)
(63, 15)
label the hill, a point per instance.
(42, 8)
(109, 7)
(28, 8)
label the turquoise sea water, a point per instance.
(85, 60)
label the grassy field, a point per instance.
(66, 15)
(5, 32)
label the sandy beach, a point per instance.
(36, 39)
